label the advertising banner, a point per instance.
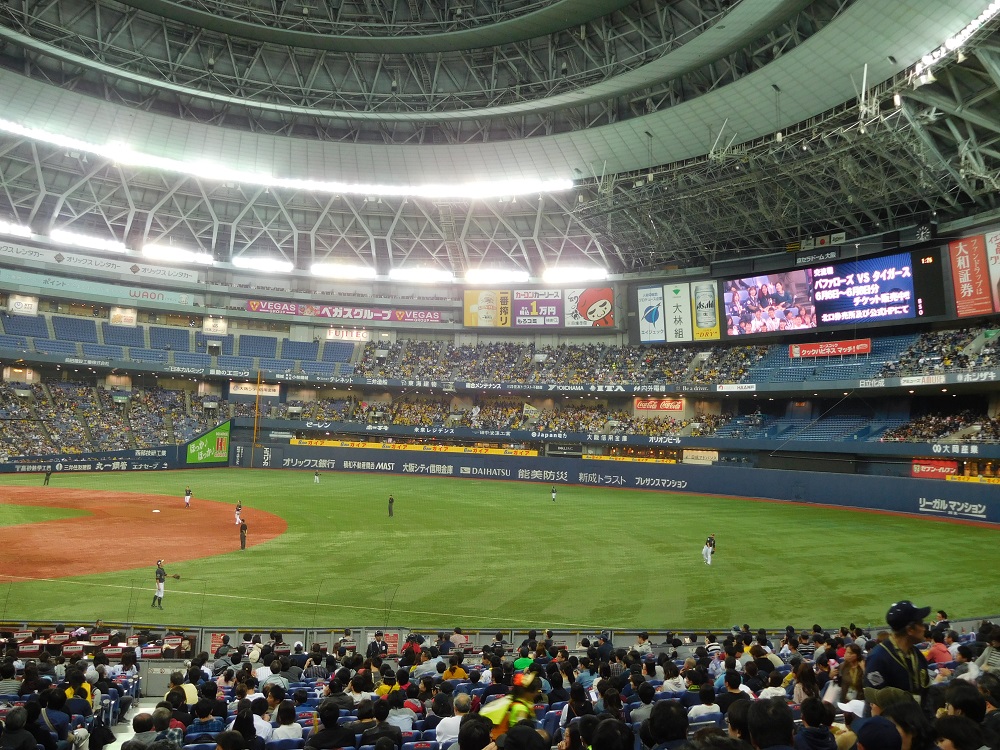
(537, 308)
(348, 334)
(60, 285)
(210, 448)
(343, 312)
(593, 307)
(123, 316)
(22, 304)
(677, 313)
(705, 303)
(933, 468)
(659, 404)
(486, 308)
(651, 314)
(699, 457)
(215, 326)
(971, 276)
(127, 267)
(830, 348)
(993, 261)
(251, 389)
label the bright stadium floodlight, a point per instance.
(176, 254)
(495, 276)
(342, 271)
(83, 240)
(268, 265)
(421, 275)
(14, 230)
(123, 154)
(573, 275)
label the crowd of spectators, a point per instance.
(936, 351)
(728, 364)
(930, 427)
(24, 432)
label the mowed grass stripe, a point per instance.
(493, 554)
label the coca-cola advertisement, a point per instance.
(659, 404)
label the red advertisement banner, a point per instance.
(971, 276)
(830, 348)
(659, 404)
(344, 312)
(932, 468)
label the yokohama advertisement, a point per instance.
(932, 468)
(659, 404)
(830, 348)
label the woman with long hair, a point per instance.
(577, 705)
(806, 684)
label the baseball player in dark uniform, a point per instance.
(187, 498)
(553, 493)
(392, 501)
(243, 534)
(161, 579)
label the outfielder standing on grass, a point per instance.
(709, 549)
(161, 579)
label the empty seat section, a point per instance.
(258, 346)
(318, 368)
(277, 365)
(147, 355)
(51, 346)
(16, 342)
(123, 335)
(25, 325)
(338, 351)
(75, 329)
(103, 351)
(189, 359)
(201, 342)
(236, 363)
(178, 339)
(299, 349)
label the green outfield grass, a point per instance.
(493, 554)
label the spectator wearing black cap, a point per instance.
(377, 647)
(877, 733)
(897, 662)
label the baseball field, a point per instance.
(477, 554)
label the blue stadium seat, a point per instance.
(147, 355)
(285, 744)
(201, 342)
(123, 335)
(52, 346)
(299, 349)
(177, 339)
(337, 351)
(103, 352)
(74, 329)
(258, 346)
(21, 343)
(25, 325)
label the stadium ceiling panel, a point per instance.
(626, 98)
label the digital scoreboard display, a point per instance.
(901, 286)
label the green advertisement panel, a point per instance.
(210, 448)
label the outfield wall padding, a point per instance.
(926, 497)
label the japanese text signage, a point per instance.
(970, 276)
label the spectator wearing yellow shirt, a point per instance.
(454, 670)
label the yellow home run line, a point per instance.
(175, 592)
